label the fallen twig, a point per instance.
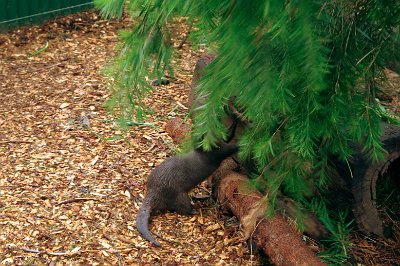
(14, 141)
(132, 123)
(30, 250)
(75, 200)
(237, 113)
(68, 253)
(149, 149)
(108, 238)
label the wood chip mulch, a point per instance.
(70, 187)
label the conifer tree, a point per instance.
(305, 74)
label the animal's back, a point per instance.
(179, 173)
(168, 184)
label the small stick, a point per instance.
(149, 149)
(108, 237)
(48, 253)
(75, 200)
(50, 66)
(237, 113)
(14, 141)
(31, 250)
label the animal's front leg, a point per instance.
(182, 204)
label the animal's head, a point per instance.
(220, 152)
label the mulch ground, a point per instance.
(70, 181)
(70, 187)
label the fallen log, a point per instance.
(177, 129)
(194, 100)
(362, 176)
(279, 241)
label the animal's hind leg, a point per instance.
(182, 205)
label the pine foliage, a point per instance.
(305, 73)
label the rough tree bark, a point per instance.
(274, 235)
(177, 129)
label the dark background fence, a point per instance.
(14, 13)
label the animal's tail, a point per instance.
(142, 221)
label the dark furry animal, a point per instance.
(169, 183)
